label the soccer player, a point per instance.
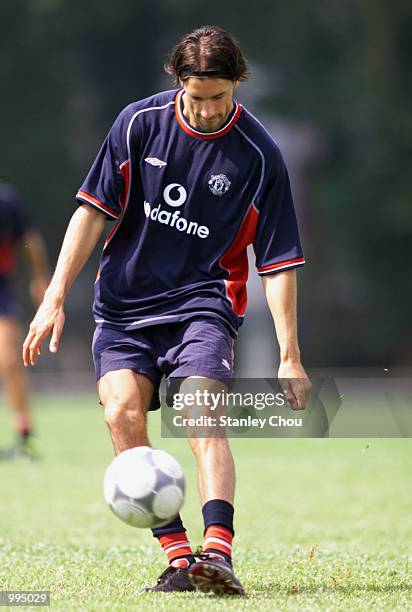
(190, 178)
(16, 231)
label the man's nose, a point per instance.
(207, 111)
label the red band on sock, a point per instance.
(175, 545)
(219, 539)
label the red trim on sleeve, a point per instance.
(91, 200)
(125, 172)
(296, 262)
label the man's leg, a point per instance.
(126, 397)
(216, 474)
(216, 470)
(216, 486)
(15, 381)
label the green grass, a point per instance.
(320, 524)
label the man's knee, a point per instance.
(120, 411)
(125, 398)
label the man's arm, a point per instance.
(281, 295)
(83, 232)
(35, 252)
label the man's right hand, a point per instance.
(49, 319)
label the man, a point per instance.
(16, 231)
(190, 178)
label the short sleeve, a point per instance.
(277, 243)
(105, 183)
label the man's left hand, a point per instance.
(295, 384)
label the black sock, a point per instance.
(174, 526)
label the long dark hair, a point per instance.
(208, 51)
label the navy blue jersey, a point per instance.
(186, 205)
(13, 225)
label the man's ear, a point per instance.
(236, 84)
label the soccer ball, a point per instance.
(144, 487)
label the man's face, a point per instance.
(207, 102)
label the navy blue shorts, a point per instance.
(196, 347)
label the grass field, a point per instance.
(321, 524)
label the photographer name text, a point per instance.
(228, 421)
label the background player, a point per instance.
(16, 231)
(191, 179)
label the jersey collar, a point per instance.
(185, 125)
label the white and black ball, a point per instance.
(144, 487)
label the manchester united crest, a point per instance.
(219, 184)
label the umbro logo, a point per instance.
(226, 364)
(155, 162)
